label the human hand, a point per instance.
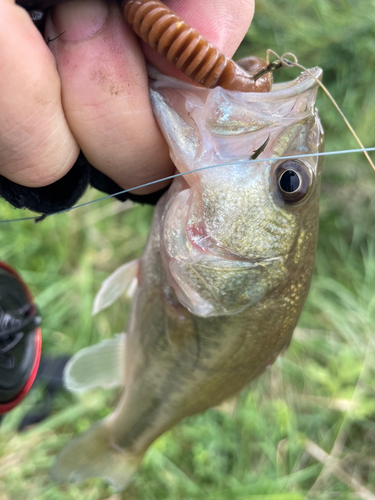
(92, 93)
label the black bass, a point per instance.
(225, 273)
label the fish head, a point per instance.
(235, 232)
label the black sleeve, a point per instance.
(65, 192)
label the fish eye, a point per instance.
(293, 181)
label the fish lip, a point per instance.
(291, 88)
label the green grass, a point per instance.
(317, 400)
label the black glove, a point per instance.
(65, 192)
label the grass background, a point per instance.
(305, 429)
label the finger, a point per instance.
(224, 23)
(105, 92)
(36, 144)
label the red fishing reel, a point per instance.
(20, 338)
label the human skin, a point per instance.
(88, 89)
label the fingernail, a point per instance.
(79, 19)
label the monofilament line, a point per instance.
(170, 177)
(287, 63)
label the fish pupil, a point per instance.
(290, 181)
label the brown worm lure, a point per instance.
(187, 50)
(184, 47)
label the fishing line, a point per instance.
(181, 174)
(287, 63)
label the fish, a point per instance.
(224, 275)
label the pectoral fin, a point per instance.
(100, 365)
(116, 284)
(93, 455)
